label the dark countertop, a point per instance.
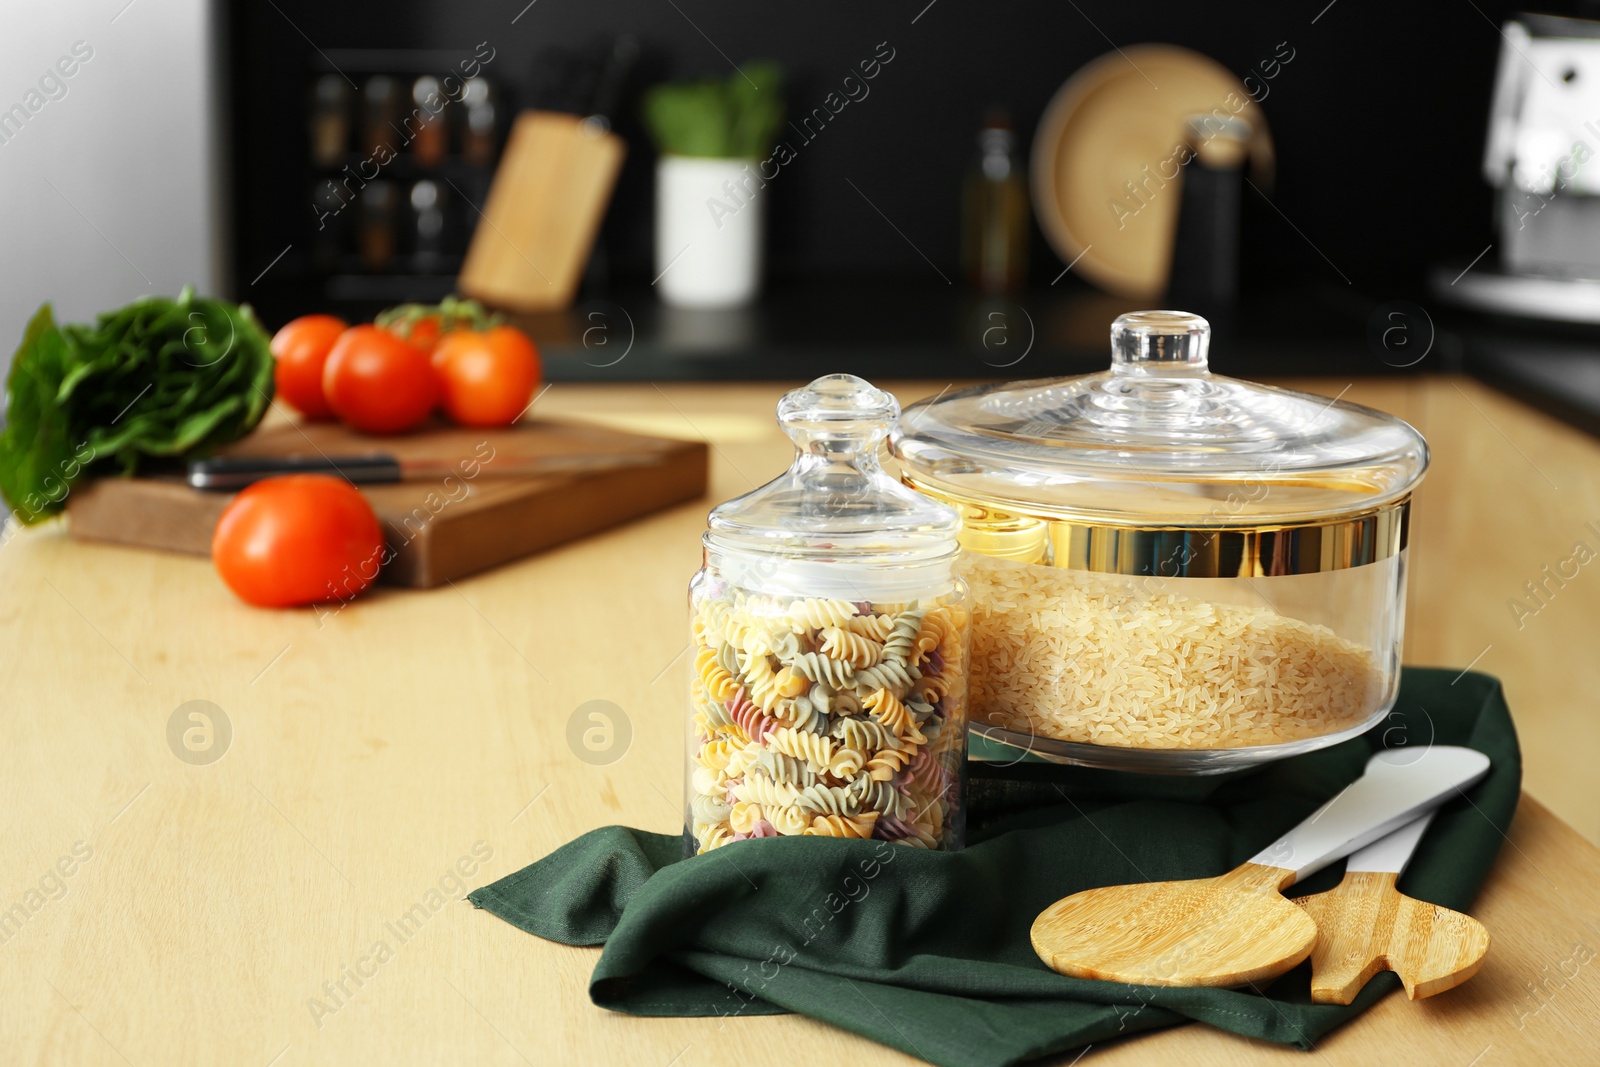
(885, 329)
(1558, 374)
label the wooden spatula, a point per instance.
(1237, 928)
(1365, 925)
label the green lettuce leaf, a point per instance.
(159, 378)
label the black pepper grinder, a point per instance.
(1205, 250)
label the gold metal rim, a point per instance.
(1353, 540)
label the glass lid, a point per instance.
(1159, 440)
(835, 506)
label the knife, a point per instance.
(375, 468)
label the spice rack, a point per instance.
(400, 148)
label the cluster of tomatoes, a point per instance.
(388, 377)
(312, 538)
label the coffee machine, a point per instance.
(1542, 157)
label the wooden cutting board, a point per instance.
(549, 194)
(438, 530)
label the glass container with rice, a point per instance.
(1172, 571)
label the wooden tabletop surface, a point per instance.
(158, 911)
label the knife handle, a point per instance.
(236, 472)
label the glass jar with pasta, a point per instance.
(828, 688)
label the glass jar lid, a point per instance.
(835, 524)
(1159, 441)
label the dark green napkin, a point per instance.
(929, 953)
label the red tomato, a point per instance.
(487, 377)
(298, 539)
(301, 348)
(378, 383)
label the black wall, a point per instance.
(1378, 121)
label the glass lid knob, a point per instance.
(838, 415)
(1160, 343)
(835, 523)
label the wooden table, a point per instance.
(211, 907)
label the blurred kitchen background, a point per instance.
(215, 144)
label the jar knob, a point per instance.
(1160, 343)
(838, 415)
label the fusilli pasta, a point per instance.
(823, 717)
(816, 667)
(814, 614)
(876, 627)
(901, 642)
(813, 748)
(854, 649)
(856, 826)
(719, 684)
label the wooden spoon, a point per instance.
(1365, 925)
(1237, 928)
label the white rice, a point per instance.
(1108, 660)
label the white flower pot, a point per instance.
(709, 225)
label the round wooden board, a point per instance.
(1119, 114)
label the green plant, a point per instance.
(160, 377)
(736, 117)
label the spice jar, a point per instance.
(829, 645)
(1173, 571)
